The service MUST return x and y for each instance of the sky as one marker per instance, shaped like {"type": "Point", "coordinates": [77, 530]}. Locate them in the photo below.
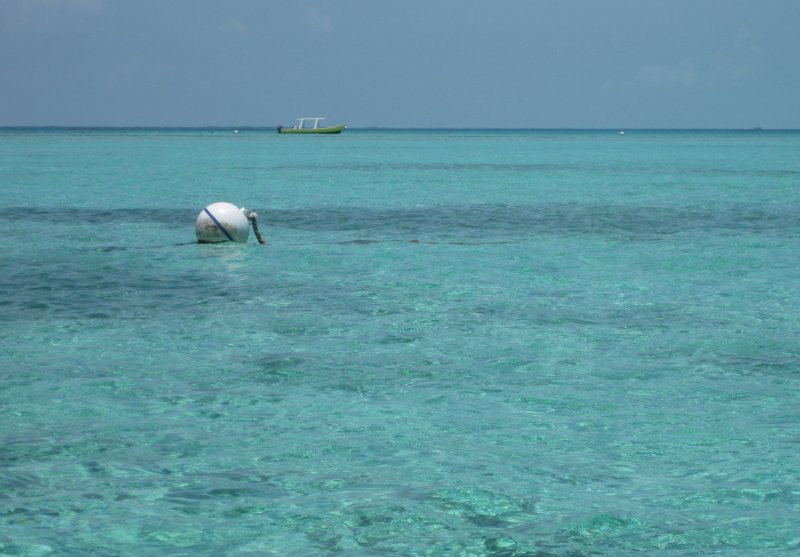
{"type": "Point", "coordinates": [401, 63]}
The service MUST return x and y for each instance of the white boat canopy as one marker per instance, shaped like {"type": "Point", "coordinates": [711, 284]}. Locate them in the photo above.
{"type": "Point", "coordinates": [301, 123]}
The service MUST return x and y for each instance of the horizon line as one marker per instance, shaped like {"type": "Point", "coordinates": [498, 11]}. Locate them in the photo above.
{"type": "Point", "coordinates": [372, 128]}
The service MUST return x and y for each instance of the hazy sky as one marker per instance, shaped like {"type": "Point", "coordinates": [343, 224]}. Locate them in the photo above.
{"type": "Point", "coordinates": [402, 63]}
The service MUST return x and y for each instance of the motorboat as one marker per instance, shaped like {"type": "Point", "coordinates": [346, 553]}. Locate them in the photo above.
{"type": "Point", "coordinates": [311, 125]}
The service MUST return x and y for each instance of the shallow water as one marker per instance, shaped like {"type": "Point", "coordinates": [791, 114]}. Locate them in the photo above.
{"type": "Point", "coordinates": [461, 343]}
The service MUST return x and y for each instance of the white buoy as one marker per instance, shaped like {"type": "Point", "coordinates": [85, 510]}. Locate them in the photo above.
{"type": "Point", "coordinates": [222, 222]}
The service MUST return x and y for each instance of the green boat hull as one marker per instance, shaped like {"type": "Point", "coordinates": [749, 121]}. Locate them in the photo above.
{"type": "Point", "coordinates": [327, 130]}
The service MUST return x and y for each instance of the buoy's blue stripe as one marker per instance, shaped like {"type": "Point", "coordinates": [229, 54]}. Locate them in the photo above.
{"type": "Point", "coordinates": [218, 224]}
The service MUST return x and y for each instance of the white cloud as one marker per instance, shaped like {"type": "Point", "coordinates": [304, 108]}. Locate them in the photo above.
{"type": "Point", "coordinates": [132, 68]}
{"type": "Point", "coordinates": [319, 20]}
{"type": "Point", "coordinates": [84, 6]}
{"type": "Point", "coordinates": [738, 61]}
{"type": "Point", "coordinates": [87, 6]}
{"type": "Point", "coordinates": [235, 26]}
{"type": "Point", "coordinates": [36, 15]}
{"type": "Point", "coordinates": [683, 74]}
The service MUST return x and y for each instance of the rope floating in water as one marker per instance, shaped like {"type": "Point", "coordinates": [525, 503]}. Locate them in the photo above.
{"type": "Point", "coordinates": [251, 216]}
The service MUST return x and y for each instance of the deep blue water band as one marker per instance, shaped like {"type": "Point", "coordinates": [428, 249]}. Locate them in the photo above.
{"type": "Point", "coordinates": [218, 224]}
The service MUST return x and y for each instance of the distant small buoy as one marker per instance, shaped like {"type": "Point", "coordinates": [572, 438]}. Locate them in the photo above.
{"type": "Point", "coordinates": [222, 222]}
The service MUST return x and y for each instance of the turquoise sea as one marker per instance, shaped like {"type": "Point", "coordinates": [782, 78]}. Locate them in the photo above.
{"type": "Point", "coordinates": [456, 343]}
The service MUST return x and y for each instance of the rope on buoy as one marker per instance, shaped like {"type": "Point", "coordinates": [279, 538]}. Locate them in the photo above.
{"type": "Point", "coordinates": [251, 216]}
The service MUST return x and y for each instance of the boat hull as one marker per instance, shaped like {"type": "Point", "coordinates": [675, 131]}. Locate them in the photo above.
{"type": "Point", "coordinates": [325, 130]}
